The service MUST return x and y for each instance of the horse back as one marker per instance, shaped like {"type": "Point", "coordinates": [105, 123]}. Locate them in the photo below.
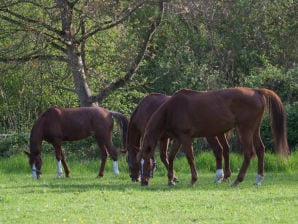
{"type": "Point", "coordinates": [144, 110]}
{"type": "Point", "coordinates": [213, 112]}
{"type": "Point", "coordinates": [68, 124]}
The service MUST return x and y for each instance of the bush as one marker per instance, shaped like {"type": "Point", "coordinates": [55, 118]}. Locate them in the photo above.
{"type": "Point", "coordinates": [12, 144]}
{"type": "Point", "coordinates": [292, 121]}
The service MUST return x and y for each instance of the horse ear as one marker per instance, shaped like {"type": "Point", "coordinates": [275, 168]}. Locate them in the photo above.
{"type": "Point", "coordinates": [27, 152]}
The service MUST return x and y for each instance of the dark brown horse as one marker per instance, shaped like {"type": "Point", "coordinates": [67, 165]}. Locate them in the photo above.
{"type": "Point", "coordinates": [136, 129]}
{"type": "Point", "coordinates": [56, 125]}
{"type": "Point", "coordinates": [190, 114]}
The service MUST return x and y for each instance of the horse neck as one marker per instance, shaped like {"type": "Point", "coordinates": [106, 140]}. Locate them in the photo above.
{"type": "Point", "coordinates": [35, 146]}
{"type": "Point", "coordinates": [133, 139]}
{"type": "Point", "coordinates": [156, 125]}
{"type": "Point", "coordinates": [35, 140]}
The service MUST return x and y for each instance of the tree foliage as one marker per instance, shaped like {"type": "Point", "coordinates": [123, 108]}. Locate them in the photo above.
{"type": "Point", "coordinates": [81, 52]}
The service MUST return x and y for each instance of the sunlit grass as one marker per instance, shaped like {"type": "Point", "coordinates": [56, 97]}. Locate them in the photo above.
{"type": "Point", "coordinates": [83, 198]}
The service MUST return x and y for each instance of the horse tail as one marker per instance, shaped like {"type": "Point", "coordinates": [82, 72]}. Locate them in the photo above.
{"type": "Point", "coordinates": [123, 122]}
{"type": "Point", "coordinates": [278, 121]}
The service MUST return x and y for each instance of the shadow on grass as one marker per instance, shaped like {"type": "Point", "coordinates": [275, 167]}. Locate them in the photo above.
{"type": "Point", "coordinates": [123, 184]}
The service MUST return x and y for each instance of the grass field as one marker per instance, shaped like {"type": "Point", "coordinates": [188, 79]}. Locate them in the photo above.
{"type": "Point", "coordinates": [83, 198]}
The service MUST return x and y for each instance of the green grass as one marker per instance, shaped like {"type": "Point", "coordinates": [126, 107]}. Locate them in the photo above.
{"type": "Point", "coordinates": [83, 198]}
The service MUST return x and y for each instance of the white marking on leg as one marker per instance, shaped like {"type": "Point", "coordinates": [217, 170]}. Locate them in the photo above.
{"type": "Point", "coordinates": [219, 176]}
{"type": "Point", "coordinates": [259, 179]}
{"type": "Point", "coordinates": [34, 174]}
{"type": "Point", "coordinates": [115, 167]}
{"type": "Point", "coordinates": [59, 169]}
{"type": "Point", "coordinates": [142, 167]}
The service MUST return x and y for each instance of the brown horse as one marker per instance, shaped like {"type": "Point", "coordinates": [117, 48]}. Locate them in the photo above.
{"type": "Point", "coordinates": [70, 124]}
{"type": "Point", "coordinates": [190, 114]}
{"type": "Point", "coordinates": [136, 130]}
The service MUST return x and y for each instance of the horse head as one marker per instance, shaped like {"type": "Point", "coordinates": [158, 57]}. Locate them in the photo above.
{"type": "Point", "coordinates": [145, 157]}
{"type": "Point", "coordinates": [35, 163]}
{"type": "Point", "coordinates": [147, 170]}
{"type": "Point", "coordinates": [133, 163]}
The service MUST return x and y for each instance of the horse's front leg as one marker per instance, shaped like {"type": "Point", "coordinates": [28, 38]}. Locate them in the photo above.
{"type": "Point", "coordinates": [60, 159]}
{"type": "Point", "coordinates": [163, 145]}
{"type": "Point", "coordinates": [188, 150]}
{"type": "Point", "coordinates": [172, 179]}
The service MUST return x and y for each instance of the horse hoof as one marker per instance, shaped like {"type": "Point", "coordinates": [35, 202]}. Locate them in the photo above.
{"type": "Point", "coordinates": [218, 179]}
{"type": "Point", "coordinates": [138, 179]}
{"type": "Point", "coordinates": [172, 183]}
{"type": "Point", "coordinates": [259, 180]}
{"type": "Point", "coordinates": [176, 180]}
{"type": "Point", "coordinates": [235, 184]}
{"type": "Point", "coordinates": [144, 183]}
{"type": "Point", "coordinates": [193, 183]}
{"type": "Point", "coordinates": [226, 180]}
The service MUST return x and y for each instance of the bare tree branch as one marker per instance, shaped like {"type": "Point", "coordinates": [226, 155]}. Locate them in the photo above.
{"type": "Point", "coordinates": [109, 24]}
{"type": "Point", "coordinates": [33, 57]}
{"type": "Point", "coordinates": [33, 22]}
{"type": "Point", "coordinates": [135, 66]}
{"type": "Point", "coordinates": [50, 37]}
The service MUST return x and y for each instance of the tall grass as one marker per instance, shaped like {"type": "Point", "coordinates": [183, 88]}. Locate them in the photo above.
{"type": "Point", "coordinates": [205, 162]}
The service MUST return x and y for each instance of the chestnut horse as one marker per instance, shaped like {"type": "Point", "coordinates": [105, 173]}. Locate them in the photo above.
{"type": "Point", "coordinates": [136, 128]}
{"type": "Point", "coordinates": [56, 125]}
{"type": "Point", "coordinates": [188, 114]}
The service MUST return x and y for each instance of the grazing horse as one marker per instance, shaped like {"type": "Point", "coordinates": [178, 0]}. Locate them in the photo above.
{"type": "Point", "coordinates": [56, 125]}
{"type": "Point", "coordinates": [188, 114]}
{"type": "Point", "coordinates": [136, 129]}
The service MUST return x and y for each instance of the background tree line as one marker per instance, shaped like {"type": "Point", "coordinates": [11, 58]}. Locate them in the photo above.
{"type": "Point", "coordinates": [112, 53]}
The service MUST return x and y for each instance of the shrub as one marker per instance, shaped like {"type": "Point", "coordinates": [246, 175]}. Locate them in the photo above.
{"type": "Point", "coordinates": [292, 133]}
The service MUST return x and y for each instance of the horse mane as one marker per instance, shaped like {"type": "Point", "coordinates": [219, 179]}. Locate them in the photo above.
{"type": "Point", "coordinates": [156, 124]}
{"type": "Point", "coordinates": [149, 99]}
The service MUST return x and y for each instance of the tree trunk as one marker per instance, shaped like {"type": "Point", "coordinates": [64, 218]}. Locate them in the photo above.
{"type": "Point", "coordinates": [78, 72]}
{"type": "Point", "coordinates": [75, 60]}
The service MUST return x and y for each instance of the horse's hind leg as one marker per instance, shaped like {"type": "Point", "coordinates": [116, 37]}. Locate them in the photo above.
{"type": "Point", "coordinates": [104, 155]}
{"type": "Point", "coordinates": [107, 149]}
{"type": "Point", "coordinates": [226, 154]}
{"type": "Point", "coordinates": [60, 158]}
{"type": "Point", "coordinates": [246, 140]}
{"type": "Point", "coordinates": [260, 151]}
{"type": "Point", "coordinates": [217, 151]}
{"type": "Point", "coordinates": [113, 154]}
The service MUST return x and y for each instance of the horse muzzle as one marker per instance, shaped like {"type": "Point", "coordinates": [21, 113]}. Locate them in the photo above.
{"type": "Point", "coordinates": [144, 183]}
{"type": "Point", "coordinates": [135, 179]}
{"type": "Point", "coordinates": [145, 180]}
{"type": "Point", "coordinates": [35, 172]}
